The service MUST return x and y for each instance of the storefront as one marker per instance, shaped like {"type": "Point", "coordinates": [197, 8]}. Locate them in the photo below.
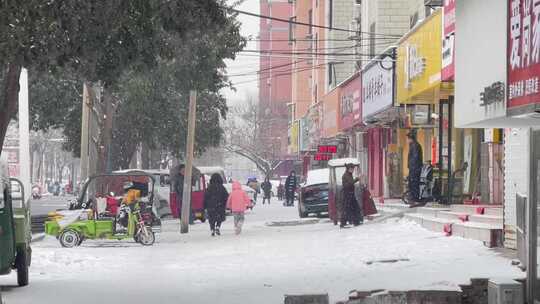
{"type": "Point", "coordinates": [428, 103]}
{"type": "Point", "coordinates": [381, 119]}
{"type": "Point", "coordinates": [350, 120]}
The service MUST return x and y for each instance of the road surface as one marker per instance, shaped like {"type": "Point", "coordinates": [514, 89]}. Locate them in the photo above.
{"type": "Point", "coordinates": [49, 203]}
{"type": "Point", "coordinates": [258, 266]}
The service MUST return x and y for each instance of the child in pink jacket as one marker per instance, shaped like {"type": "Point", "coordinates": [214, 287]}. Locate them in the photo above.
{"type": "Point", "coordinates": [238, 202]}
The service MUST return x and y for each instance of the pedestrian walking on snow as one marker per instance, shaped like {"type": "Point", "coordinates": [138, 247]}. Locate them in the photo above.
{"type": "Point", "coordinates": [238, 202]}
{"type": "Point", "coordinates": [267, 190]}
{"type": "Point", "coordinates": [254, 184]}
{"type": "Point", "coordinates": [215, 201]}
{"type": "Point", "coordinates": [290, 189]}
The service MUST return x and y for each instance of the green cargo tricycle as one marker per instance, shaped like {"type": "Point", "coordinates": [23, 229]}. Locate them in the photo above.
{"type": "Point", "coordinates": [115, 221]}
{"type": "Point", "coordinates": [15, 231]}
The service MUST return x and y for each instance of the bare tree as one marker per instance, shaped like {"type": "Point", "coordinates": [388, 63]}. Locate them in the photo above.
{"type": "Point", "coordinates": [243, 130]}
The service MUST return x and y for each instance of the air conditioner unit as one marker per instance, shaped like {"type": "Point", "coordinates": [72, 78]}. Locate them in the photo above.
{"type": "Point", "coordinates": [505, 291]}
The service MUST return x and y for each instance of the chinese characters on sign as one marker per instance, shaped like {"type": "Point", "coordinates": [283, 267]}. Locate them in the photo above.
{"type": "Point", "coordinates": [350, 103]}
{"type": "Point", "coordinates": [346, 104]}
{"type": "Point", "coordinates": [332, 149]}
{"type": "Point", "coordinates": [523, 53]}
{"type": "Point", "coordinates": [449, 28]}
{"type": "Point", "coordinates": [492, 94]}
{"type": "Point", "coordinates": [322, 157]}
{"type": "Point", "coordinates": [415, 65]}
{"type": "Point", "coordinates": [378, 87]}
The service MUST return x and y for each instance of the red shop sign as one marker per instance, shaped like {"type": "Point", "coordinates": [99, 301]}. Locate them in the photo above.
{"type": "Point", "coordinates": [523, 56]}
{"type": "Point", "coordinates": [322, 157]}
{"type": "Point", "coordinates": [448, 51]}
{"type": "Point", "coordinates": [332, 149]}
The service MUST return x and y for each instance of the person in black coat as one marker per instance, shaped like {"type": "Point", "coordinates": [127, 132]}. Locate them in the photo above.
{"type": "Point", "coordinates": [215, 202]}
{"type": "Point", "coordinates": [351, 212]}
{"type": "Point", "coordinates": [267, 190]}
{"type": "Point", "coordinates": [290, 188]}
{"type": "Point", "coordinates": [415, 163]}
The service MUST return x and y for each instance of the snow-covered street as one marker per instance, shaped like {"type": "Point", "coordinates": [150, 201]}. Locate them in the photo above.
{"type": "Point", "coordinates": [259, 266]}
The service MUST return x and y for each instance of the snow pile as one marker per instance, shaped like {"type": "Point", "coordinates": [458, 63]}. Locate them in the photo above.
{"type": "Point", "coordinates": [259, 266]}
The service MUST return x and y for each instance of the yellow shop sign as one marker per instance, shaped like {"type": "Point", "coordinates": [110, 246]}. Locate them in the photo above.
{"type": "Point", "coordinates": [293, 136]}
{"type": "Point", "coordinates": [419, 62]}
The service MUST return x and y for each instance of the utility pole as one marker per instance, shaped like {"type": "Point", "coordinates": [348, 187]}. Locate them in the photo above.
{"type": "Point", "coordinates": [532, 218]}
{"type": "Point", "coordinates": [85, 129]}
{"type": "Point", "coordinates": [186, 195]}
{"type": "Point", "coordinates": [24, 132]}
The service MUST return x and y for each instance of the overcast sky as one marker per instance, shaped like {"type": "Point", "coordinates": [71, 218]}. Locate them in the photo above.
{"type": "Point", "coordinates": [245, 64]}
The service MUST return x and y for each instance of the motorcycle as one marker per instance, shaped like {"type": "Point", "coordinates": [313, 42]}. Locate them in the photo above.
{"type": "Point", "coordinates": [90, 221]}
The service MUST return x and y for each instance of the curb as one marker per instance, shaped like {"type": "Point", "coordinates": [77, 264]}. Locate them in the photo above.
{"type": "Point", "coordinates": [293, 223]}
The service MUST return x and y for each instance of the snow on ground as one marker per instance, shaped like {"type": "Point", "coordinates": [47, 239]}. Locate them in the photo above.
{"type": "Point", "coordinates": [259, 266]}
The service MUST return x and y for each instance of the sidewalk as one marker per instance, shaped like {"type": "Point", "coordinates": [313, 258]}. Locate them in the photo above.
{"type": "Point", "coordinates": [259, 266]}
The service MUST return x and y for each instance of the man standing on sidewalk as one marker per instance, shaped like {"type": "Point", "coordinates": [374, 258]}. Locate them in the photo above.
{"type": "Point", "coordinates": [415, 162]}
{"type": "Point", "coordinates": [290, 189]}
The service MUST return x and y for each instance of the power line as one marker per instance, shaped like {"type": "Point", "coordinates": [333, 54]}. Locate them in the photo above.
{"type": "Point", "coordinates": [283, 74]}
{"type": "Point", "coordinates": [306, 53]}
{"type": "Point", "coordinates": [313, 39]}
{"type": "Point", "coordinates": [310, 57]}
{"type": "Point", "coordinates": [267, 69]}
{"type": "Point", "coordinates": [305, 24]}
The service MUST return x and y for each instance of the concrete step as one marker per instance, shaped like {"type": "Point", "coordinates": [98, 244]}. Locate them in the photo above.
{"type": "Point", "coordinates": [393, 207]}
{"type": "Point", "coordinates": [490, 234]}
{"type": "Point", "coordinates": [487, 219]}
{"type": "Point", "coordinates": [430, 223]}
{"type": "Point", "coordinates": [496, 210]}
{"type": "Point", "coordinates": [478, 218]}
{"type": "Point", "coordinates": [431, 211]}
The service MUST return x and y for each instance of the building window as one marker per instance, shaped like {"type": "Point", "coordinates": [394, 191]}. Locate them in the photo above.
{"type": "Point", "coordinates": [372, 39]}
{"type": "Point", "coordinates": [316, 42]}
{"type": "Point", "coordinates": [331, 74]}
{"type": "Point", "coordinates": [331, 13]}
{"type": "Point", "coordinates": [310, 21]}
{"type": "Point", "coordinates": [292, 110]}
{"type": "Point", "coordinates": [359, 2]}
{"type": "Point", "coordinates": [292, 29]}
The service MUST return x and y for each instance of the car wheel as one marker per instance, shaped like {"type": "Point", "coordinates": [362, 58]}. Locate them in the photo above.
{"type": "Point", "coordinates": [69, 238]}
{"type": "Point", "coordinates": [22, 264]}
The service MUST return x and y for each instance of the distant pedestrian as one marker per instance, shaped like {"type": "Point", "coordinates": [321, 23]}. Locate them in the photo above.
{"type": "Point", "coordinates": [350, 208]}
{"type": "Point", "coordinates": [215, 201]}
{"type": "Point", "coordinates": [280, 191]}
{"type": "Point", "coordinates": [267, 190]}
{"type": "Point", "coordinates": [253, 183]}
{"type": "Point", "coordinates": [238, 202]}
{"type": "Point", "coordinates": [290, 188]}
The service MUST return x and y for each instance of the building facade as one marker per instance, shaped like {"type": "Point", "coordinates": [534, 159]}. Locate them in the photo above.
{"type": "Point", "coordinates": [275, 78]}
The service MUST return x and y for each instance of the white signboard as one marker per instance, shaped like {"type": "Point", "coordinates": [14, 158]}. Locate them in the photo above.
{"type": "Point", "coordinates": [377, 87]}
